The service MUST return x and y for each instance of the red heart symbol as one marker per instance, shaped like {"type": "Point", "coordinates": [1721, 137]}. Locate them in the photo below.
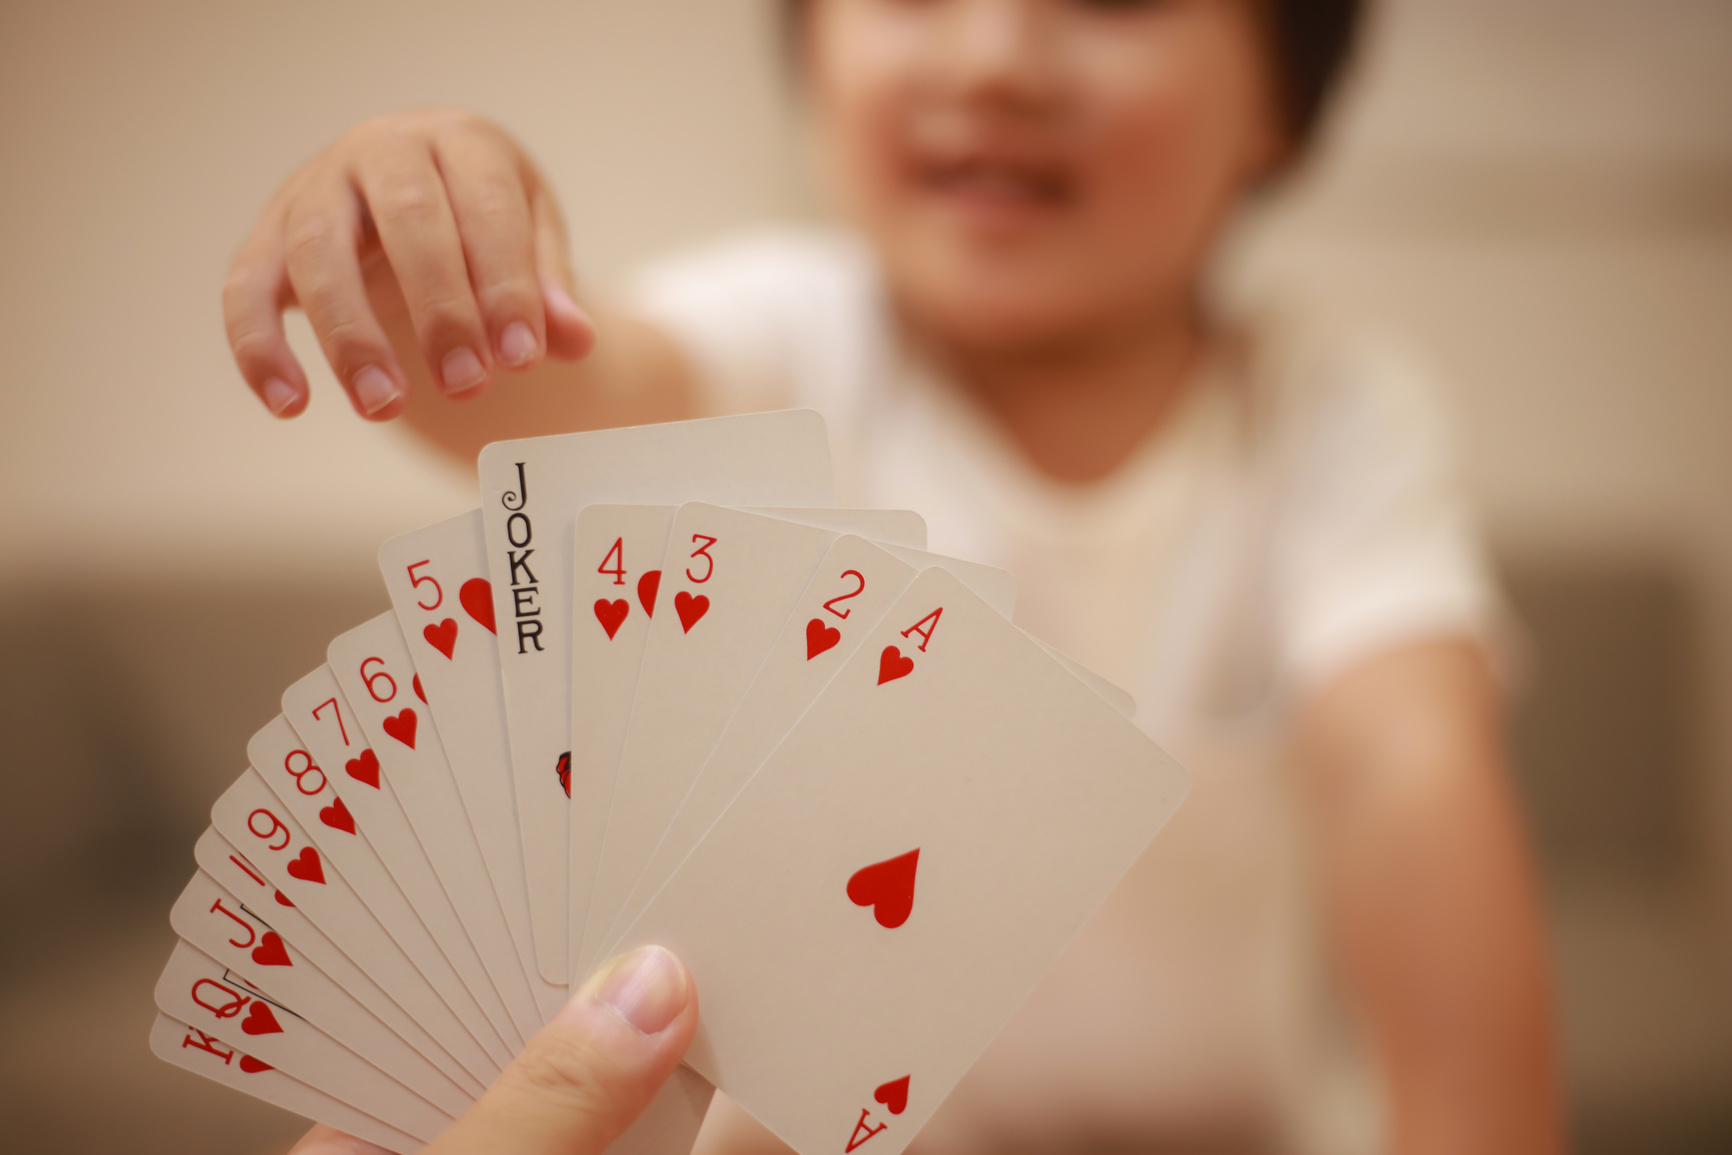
{"type": "Point", "coordinates": [415, 684]}
{"type": "Point", "coordinates": [562, 769]}
{"type": "Point", "coordinates": [893, 1095]}
{"type": "Point", "coordinates": [364, 768]}
{"type": "Point", "coordinates": [306, 867]}
{"type": "Point", "coordinates": [611, 614]}
{"type": "Point", "coordinates": [887, 887]}
{"type": "Point", "coordinates": [337, 817]}
{"type": "Point", "coordinates": [690, 609]}
{"type": "Point", "coordinates": [892, 665]}
{"type": "Point", "coordinates": [252, 1066]}
{"type": "Point", "coordinates": [647, 585]}
{"type": "Point", "coordinates": [477, 597]}
{"type": "Point", "coordinates": [283, 899]}
{"type": "Point", "coordinates": [271, 952]}
{"type": "Point", "coordinates": [401, 726]}
{"type": "Point", "coordinates": [260, 1021]}
{"type": "Point", "coordinates": [442, 637]}
{"type": "Point", "coordinates": [820, 637]}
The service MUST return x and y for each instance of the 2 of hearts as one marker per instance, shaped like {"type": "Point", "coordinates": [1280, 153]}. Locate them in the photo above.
{"type": "Point", "coordinates": [863, 807]}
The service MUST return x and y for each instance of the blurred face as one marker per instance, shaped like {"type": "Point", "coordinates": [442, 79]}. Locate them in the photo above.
{"type": "Point", "coordinates": [1037, 171]}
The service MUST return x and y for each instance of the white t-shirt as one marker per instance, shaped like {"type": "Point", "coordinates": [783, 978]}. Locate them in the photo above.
{"type": "Point", "coordinates": [1299, 512]}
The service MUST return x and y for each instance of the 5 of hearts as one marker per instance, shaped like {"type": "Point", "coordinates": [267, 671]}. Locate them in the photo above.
{"type": "Point", "coordinates": [659, 688]}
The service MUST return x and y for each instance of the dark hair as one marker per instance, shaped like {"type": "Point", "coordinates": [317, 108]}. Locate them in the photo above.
{"type": "Point", "coordinates": [1309, 42]}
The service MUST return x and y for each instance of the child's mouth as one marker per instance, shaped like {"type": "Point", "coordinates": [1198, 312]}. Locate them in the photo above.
{"type": "Point", "coordinates": [994, 186]}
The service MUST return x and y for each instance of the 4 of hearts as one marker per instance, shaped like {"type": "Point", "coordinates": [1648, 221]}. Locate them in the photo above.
{"type": "Point", "coordinates": [659, 689]}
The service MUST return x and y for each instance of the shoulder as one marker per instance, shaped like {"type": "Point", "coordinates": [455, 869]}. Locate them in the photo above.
{"type": "Point", "coordinates": [1315, 378]}
{"type": "Point", "coordinates": [1374, 541]}
{"type": "Point", "coordinates": [771, 317]}
{"type": "Point", "coordinates": [1328, 388]}
{"type": "Point", "coordinates": [786, 265]}
{"type": "Point", "coordinates": [1336, 410]}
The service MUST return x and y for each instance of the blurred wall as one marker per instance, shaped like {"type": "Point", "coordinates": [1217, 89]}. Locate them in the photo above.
{"type": "Point", "coordinates": [1537, 192]}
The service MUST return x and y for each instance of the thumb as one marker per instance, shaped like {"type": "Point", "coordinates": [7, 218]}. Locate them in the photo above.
{"type": "Point", "coordinates": [590, 1071]}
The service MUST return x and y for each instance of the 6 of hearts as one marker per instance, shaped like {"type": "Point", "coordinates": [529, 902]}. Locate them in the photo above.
{"type": "Point", "coordinates": [659, 689]}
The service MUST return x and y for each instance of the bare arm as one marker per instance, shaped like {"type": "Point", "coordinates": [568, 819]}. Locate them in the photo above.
{"type": "Point", "coordinates": [1432, 901]}
{"type": "Point", "coordinates": [429, 256]}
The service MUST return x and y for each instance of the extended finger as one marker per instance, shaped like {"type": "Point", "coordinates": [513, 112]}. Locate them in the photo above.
{"type": "Point", "coordinates": [491, 205]}
{"type": "Point", "coordinates": [405, 194]}
{"type": "Point", "coordinates": [253, 300]}
{"type": "Point", "coordinates": [570, 332]}
{"type": "Point", "coordinates": [321, 238]}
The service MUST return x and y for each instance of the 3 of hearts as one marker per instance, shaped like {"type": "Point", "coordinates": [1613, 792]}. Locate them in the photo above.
{"type": "Point", "coordinates": [659, 689]}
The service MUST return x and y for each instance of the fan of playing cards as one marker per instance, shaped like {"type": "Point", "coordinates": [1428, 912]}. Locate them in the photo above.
{"type": "Point", "coordinates": [657, 689]}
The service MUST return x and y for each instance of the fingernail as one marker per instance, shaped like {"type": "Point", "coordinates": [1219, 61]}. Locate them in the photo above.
{"type": "Point", "coordinates": [279, 395]}
{"type": "Point", "coordinates": [461, 371]}
{"type": "Point", "coordinates": [560, 302]}
{"type": "Point", "coordinates": [374, 389]}
{"type": "Point", "coordinates": [517, 343]}
{"type": "Point", "coordinates": [646, 988]}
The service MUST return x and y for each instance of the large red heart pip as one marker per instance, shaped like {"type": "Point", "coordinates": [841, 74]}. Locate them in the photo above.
{"type": "Point", "coordinates": [252, 1066]}
{"type": "Point", "coordinates": [415, 684]}
{"type": "Point", "coordinates": [690, 609]}
{"type": "Point", "coordinates": [271, 952]}
{"type": "Point", "coordinates": [611, 614]}
{"type": "Point", "coordinates": [476, 595]}
{"type": "Point", "coordinates": [894, 1095]}
{"type": "Point", "coordinates": [337, 817]}
{"type": "Point", "coordinates": [401, 726]}
{"type": "Point", "coordinates": [307, 867]}
{"type": "Point", "coordinates": [364, 768]}
{"type": "Point", "coordinates": [442, 637]}
{"type": "Point", "coordinates": [887, 887]}
{"type": "Point", "coordinates": [647, 585]}
{"type": "Point", "coordinates": [892, 665]}
{"type": "Point", "coordinates": [260, 1021]}
{"type": "Point", "coordinates": [820, 637]}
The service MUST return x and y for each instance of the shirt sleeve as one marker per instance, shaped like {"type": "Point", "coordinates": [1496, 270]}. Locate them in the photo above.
{"type": "Point", "coordinates": [1376, 544]}
{"type": "Point", "coordinates": [770, 319]}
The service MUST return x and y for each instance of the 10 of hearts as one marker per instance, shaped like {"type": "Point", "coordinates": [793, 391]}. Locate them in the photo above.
{"type": "Point", "coordinates": [863, 807]}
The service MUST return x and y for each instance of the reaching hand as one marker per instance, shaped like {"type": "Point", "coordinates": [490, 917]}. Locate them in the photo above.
{"type": "Point", "coordinates": [456, 211]}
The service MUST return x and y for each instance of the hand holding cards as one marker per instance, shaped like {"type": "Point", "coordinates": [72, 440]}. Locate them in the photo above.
{"type": "Point", "coordinates": [657, 691]}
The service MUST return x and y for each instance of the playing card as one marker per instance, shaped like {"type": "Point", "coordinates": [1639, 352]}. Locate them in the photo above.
{"type": "Point", "coordinates": [250, 815]}
{"type": "Point", "coordinates": [1115, 696]}
{"type": "Point", "coordinates": [397, 882]}
{"type": "Point", "coordinates": [531, 492]}
{"type": "Point", "coordinates": [852, 587]}
{"type": "Point", "coordinates": [193, 1050]}
{"type": "Point", "coordinates": [199, 991]}
{"type": "Point", "coordinates": [898, 874]}
{"type": "Point", "coordinates": [729, 580]}
{"type": "Point", "coordinates": [669, 1124]}
{"type": "Point", "coordinates": [224, 927]}
{"type": "Point", "coordinates": [615, 579]}
{"type": "Point", "coordinates": [437, 578]}
{"type": "Point", "coordinates": [615, 582]}
{"type": "Point", "coordinates": [818, 636]}
{"type": "Point", "coordinates": [374, 672]}
{"type": "Point", "coordinates": [229, 868]}
{"type": "Point", "coordinates": [901, 527]}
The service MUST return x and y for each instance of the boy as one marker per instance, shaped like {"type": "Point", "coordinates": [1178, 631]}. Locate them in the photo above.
{"type": "Point", "coordinates": [1251, 524]}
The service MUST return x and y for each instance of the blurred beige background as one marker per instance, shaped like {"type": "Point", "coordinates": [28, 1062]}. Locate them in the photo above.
{"type": "Point", "coordinates": [1537, 192]}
